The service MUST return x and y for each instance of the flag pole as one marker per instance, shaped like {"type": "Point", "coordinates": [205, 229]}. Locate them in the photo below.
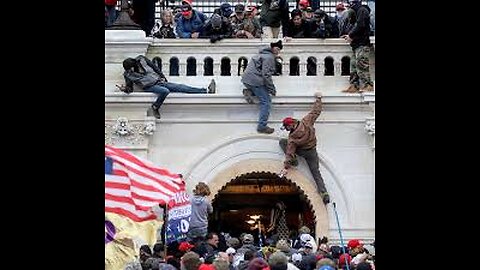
{"type": "Point", "coordinates": [165, 220]}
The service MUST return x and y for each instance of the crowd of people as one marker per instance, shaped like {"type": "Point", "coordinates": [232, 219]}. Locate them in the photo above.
{"type": "Point", "coordinates": [307, 20]}
{"type": "Point", "coordinates": [207, 250]}
{"type": "Point", "coordinates": [222, 251]}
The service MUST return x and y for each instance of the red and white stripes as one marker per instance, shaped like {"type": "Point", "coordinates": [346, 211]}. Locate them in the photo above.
{"type": "Point", "coordinates": [134, 185]}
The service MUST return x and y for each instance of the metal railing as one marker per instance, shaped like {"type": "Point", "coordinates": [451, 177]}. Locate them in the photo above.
{"type": "Point", "coordinates": [207, 6]}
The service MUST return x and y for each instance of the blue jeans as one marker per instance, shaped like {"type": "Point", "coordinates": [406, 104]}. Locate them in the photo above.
{"type": "Point", "coordinates": [265, 103]}
{"type": "Point", "coordinates": [112, 14]}
{"type": "Point", "coordinates": [163, 89]}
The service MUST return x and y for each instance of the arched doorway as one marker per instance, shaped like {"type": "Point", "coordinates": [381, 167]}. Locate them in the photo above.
{"type": "Point", "coordinates": [256, 193]}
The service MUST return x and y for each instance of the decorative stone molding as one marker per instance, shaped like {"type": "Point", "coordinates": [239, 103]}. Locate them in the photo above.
{"type": "Point", "coordinates": [125, 132]}
{"type": "Point", "coordinates": [370, 126]}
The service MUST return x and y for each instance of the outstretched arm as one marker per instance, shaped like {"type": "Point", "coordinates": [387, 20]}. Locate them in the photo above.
{"type": "Point", "coordinates": [312, 116]}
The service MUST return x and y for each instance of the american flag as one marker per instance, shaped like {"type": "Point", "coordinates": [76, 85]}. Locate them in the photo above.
{"type": "Point", "coordinates": [133, 185]}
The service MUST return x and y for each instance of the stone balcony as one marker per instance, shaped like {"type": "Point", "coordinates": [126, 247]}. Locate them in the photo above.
{"type": "Point", "coordinates": [328, 57]}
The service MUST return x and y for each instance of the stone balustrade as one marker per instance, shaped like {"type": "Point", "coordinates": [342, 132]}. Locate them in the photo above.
{"type": "Point", "coordinates": [307, 65]}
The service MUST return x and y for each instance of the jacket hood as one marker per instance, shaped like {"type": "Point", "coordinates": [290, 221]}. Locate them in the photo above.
{"type": "Point", "coordinates": [265, 50]}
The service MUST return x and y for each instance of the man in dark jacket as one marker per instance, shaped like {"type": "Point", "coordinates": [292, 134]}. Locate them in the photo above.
{"type": "Point", "coordinates": [303, 141]}
{"type": "Point", "coordinates": [143, 73]}
{"type": "Point", "coordinates": [258, 78]}
{"type": "Point", "coordinates": [273, 14]}
{"type": "Point", "coordinates": [359, 39]}
{"type": "Point", "coordinates": [324, 26]}
{"type": "Point", "coordinates": [217, 28]}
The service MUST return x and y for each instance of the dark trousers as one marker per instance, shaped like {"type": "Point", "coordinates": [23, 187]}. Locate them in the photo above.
{"type": "Point", "coordinates": [311, 157]}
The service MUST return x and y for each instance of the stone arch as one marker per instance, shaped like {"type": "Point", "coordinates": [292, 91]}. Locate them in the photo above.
{"type": "Point", "coordinates": [216, 194]}
{"type": "Point", "coordinates": [233, 157]}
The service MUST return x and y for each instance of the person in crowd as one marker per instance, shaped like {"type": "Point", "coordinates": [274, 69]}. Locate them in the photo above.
{"type": "Point", "coordinates": [359, 39]}
{"type": "Point", "coordinates": [217, 28]}
{"type": "Point", "coordinates": [307, 14]}
{"type": "Point", "coordinates": [273, 15]}
{"type": "Point", "coordinates": [165, 27]}
{"type": "Point", "coordinates": [201, 208]}
{"type": "Point", "coordinates": [244, 25]}
{"type": "Point", "coordinates": [323, 26]}
{"type": "Point", "coordinates": [192, 22]}
{"type": "Point", "coordinates": [297, 27]}
{"type": "Point", "coordinates": [111, 12]}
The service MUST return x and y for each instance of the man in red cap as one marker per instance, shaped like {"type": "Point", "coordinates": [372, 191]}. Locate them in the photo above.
{"type": "Point", "coordinates": [302, 141]}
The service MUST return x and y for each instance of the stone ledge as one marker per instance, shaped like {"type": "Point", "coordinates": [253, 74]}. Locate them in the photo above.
{"type": "Point", "coordinates": [206, 99]}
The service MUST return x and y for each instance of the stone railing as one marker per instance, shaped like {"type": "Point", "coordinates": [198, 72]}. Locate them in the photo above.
{"type": "Point", "coordinates": [307, 65]}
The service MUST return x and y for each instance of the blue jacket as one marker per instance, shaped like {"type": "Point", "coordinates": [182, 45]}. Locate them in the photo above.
{"type": "Point", "coordinates": [196, 23]}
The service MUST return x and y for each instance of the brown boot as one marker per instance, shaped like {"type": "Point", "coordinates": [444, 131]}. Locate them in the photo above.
{"type": "Point", "coordinates": [266, 130]}
{"type": "Point", "coordinates": [351, 89]}
{"type": "Point", "coordinates": [367, 88]}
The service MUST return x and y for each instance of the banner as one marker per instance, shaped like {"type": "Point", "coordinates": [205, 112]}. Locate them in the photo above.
{"type": "Point", "coordinates": [124, 237]}
{"type": "Point", "coordinates": [178, 221]}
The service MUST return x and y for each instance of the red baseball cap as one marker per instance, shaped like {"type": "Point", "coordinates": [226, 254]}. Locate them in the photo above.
{"type": "Point", "coordinates": [353, 243]}
{"type": "Point", "coordinates": [288, 121]}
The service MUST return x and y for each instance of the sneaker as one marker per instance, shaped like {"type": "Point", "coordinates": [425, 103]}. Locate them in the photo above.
{"type": "Point", "coordinates": [366, 88]}
{"type": "Point", "coordinates": [247, 93]}
{"type": "Point", "coordinates": [266, 130]}
{"type": "Point", "coordinates": [154, 111]}
{"type": "Point", "coordinates": [212, 87]}
{"type": "Point", "coordinates": [325, 198]}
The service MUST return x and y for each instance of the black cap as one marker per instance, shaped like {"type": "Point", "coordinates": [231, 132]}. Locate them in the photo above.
{"type": "Point", "coordinates": [319, 13]}
{"type": "Point", "coordinates": [239, 8]}
{"type": "Point", "coordinates": [277, 44]}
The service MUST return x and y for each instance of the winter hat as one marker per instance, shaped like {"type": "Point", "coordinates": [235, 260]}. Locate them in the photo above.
{"type": "Point", "coordinates": [256, 264]}
{"type": "Point", "coordinates": [216, 21]}
{"type": "Point", "coordinates": [364, 266]}
{"type": "Point", "coordinates": [277, 44]}
{"type": "Point", "coordinates": [230, 250]}
{"type": "Point", "coordinates": [282, 245]}
{"type": "Point", "coordinates": [247, 239]}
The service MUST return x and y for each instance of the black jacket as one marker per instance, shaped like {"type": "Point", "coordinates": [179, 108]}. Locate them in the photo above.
{"type": "Point", "coordinates": [329, 29]}
{"type": "Point", "coordinates": [144, 74]}
{"type": "Point", "coordinates": [360, 33]}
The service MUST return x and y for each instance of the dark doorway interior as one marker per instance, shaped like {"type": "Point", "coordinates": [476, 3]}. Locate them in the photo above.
{"type": "Point", "coordinates": [257, 194]}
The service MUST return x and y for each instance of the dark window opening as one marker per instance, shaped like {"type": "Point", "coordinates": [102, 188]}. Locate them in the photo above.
{"type": "Point", "coordinates": [208, 66]}
{"type": "Point", "coordinates": [311, 66]}
{"type": "Point", "coordinates": [174, 67]}
{"type": "Point", "coordinates": [329, 68]}
{"type": "Point", "coordinates": [191, 66]}
{"type": "Point", "coordinates": [294, 66]}
{"type": "Point", "coordinates": [225, 67]}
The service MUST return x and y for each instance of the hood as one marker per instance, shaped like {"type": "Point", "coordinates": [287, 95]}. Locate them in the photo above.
{"type": "Point", "coordinates": [198, 199]}
{"type": "Point", "coordinates": [265, 50]}
{"type": "Point", "coordinates": [357, 5]}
